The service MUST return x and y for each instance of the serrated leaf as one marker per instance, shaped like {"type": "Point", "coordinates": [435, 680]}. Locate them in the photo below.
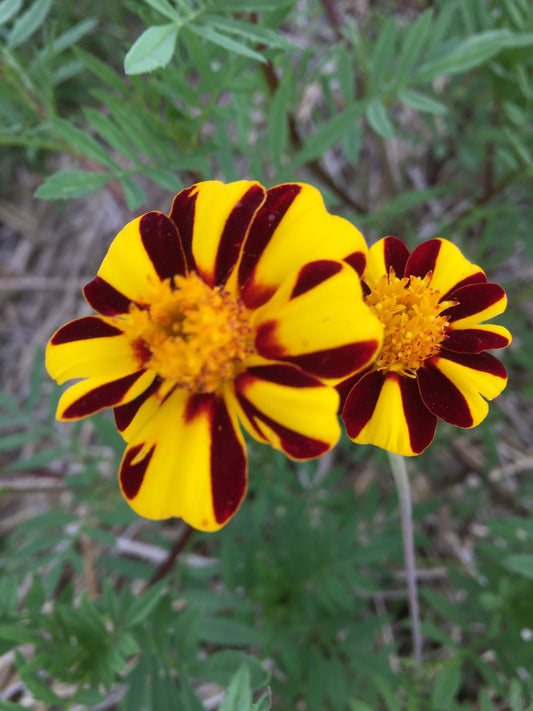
{"type": "Point", "coordinates": [153, 49]}
{"type": "Point", "coordinates": [521, 563]}
{"type": "Point", "coordinates": [378, 120]}
{"type": "Point", "coordinates": [28, 23]}
{"type": "Point", "coordinates": [68, 184]}
{"type": "Point", "coordinates": [421, 102]}
{"type": "Point", "coordinates": [8, 9]}
{"type": "Point", "coordinates": [445, 686]}
{"type": "Point", "coordinates": [210, 34]}
{"type": "Point", "coordinates": [239, 694]}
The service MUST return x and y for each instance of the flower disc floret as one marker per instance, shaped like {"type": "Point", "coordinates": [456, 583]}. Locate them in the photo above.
{"type": "Point", "coordinates": [193, 336]}
{"type": "Point", "coordinates": [411, 313]}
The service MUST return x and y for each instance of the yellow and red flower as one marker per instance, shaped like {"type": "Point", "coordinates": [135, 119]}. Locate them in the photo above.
{"type": "Point", "coordinates": [433, 361]}
{"type": "Point", "coordinates": [242, 307]}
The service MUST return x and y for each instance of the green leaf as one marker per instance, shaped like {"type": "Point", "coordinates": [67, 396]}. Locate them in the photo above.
{"type": "Point", "coordinates": [382, 55]}
{"type": "Point", "coordinates": [20, 634]}
{"type": "Point", "coordinates": [422, 103]}
{"type": "Point", "coordinates": [134, 194]}
{"type": "Point", "coordinates": [263, 703]}
{"type": "Point", "coordinates": [521, 563]}
{"type": "Point", "coordinates": [239, 694]}
{"type": "Point", "coordinates": [164, 178]}
{"type": "Point", "coordinates": [411, 46]}
{"type": "Point", "coordinates": [82, 142]}
{"type": "Point", "coordinates": [220, 667]}
{"type": "Point", "coordinates": [153, 49]}
{"type": "Point", "coordinates": [446, 686]}
{"type": "Point", "coordinates": [35, 685]}
{"type": "Point", "coordinates": [68, 184]}
{"type": "Point", "coordinates": [229, 632]}
{"type": "Point", "coordinates": [111, 133]}
{"type": "Point", "coordinates": [70, 37]}
{"type": "Point", "coordinates": [253, 33]}
{"type": "Point", "coordinates": [11, 706]}
{"type": "Point", "coordinates": [165, 9]}
{"type": "Point", "coordinates": [143, 605]}
{"type": "Point", "coordinates": [8, 8]}
{"type": "Point", "coordinates": [470, 53]}
{"type": "Point", "coordinates": [210, 34]}
{"type": "Point", "coordinates": [251, 5]}
{"type": "Point", "coordinates": [190, 699]}
{"type": "Point", "coordinates": [101, 70]}
{"type": "Point", "coordinates": [329, 134]}
{"type": "Point", "coordinates": [278, 119]}
{"type": "Point", "coordinates": [378, 120]}
{"type": "Point", "coordinates": [28, 23]}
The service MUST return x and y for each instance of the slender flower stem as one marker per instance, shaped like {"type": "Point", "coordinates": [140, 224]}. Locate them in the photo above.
{"type": "Point", "coordinates": [401, 480]}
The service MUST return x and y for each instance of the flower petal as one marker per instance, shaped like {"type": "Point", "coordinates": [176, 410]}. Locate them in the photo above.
{"type": "Point", "coordinates": [289, 409]}
{"type": "Point", "coordinates": [454, 386]}
{"type": "Point", "coordinates": [292, 228]}
{"type": "Point", "coordinates": [447, 264]}
{"type": "Point", "coordinates": [477, 303]}
{"type": "Point", "coordinates": [318, 321]}
{"type": "Point", "coordinates": [389, 252]}
{"type": "Point", "coordinates": [213, 220]}
{"type": "Point", "coordinates": [131, 416]}
{"type": "Point", "coordinates": [476, 340]}
{"type": "Point", "coordinates": [189, 461]}
{"type": "Point", "coordinates": [89, 347]}
{"type": "Point", "coordinates": [94, 394]}
{"type": "Point", "coordinates": [147, 250]}
{"type": "Point", "coordinates": [387, 411]}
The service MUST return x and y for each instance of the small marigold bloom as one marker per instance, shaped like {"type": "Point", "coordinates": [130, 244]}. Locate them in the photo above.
{"type": "Point", "coordinates": [432, 304]}
{"type": "Point", "coordinates": [239, 308]}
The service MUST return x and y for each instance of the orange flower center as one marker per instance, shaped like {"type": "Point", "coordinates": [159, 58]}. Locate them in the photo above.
{"type": "Point", "coordinates": [410, 310]}
{"type": "Point", "coordinates": [193, 336]}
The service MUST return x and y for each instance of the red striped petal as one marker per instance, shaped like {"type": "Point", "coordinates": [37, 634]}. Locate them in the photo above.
{"type": "Point", "coordinates": [107, 395]}
{"type": "Point", "coordinates": [361, 402]}
{"type": "Point", "coordinates": [313, 274]}
{"type": "Point", "coordinates": [104, 298]}
{"type": "Point", "coordinates": [474, 340]}
{"type": "Point", "coordinates": [396, 255]}
{"type": "Point", "coordinates": [182, 215]}
{"type": "Point", "coordinates": [84, 328]}
{"type": "Point", "coordinates": [162, 244]}
{"type": "Point", "coordinates": [423, 259]}
{"type": "Point", "coordinates": [131, 474]}
{"type": "Point", "coordinates": [473, 299]}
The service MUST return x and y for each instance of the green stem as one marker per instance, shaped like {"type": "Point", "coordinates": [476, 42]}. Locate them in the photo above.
{"type": "Point", "coordinates": [401, 480]}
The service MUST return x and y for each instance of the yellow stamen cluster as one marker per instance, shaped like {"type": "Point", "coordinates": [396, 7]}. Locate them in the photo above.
{"type": "Point", "coordinates": [410, 311]}
{"type": "Point", "coordinates": [193, 336]}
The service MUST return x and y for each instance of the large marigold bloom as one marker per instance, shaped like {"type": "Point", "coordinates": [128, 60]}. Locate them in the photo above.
{"type": "Point", "coordinates": [242, 306]}
{"type": "Point", "coordinates": [432, 364]}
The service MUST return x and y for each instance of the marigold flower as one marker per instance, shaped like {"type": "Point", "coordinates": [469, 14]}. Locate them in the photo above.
{"type": "Point", "coordinates": [432, 364]}
{"type": "Point", "coordinates": [242, 306]}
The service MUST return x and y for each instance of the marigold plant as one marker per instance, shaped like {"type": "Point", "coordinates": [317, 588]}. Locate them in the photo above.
{"type": "Point", "coordinates": [243, 307]}
{"type": "Point", "coordinates": [433, 363]}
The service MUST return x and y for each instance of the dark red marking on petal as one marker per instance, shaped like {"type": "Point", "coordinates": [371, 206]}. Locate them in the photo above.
{"type": "Point", "coordinates": [198, 405]}
{"type": "Point", "coordinates": [228, 463]}
{"type": "Point", "coordinates": [473, 299]}
{"type": "Point", "coordinates": [484, 362]}
{"type": "Point", "coordinates": [361, 402]}
{"type": "Point", "coordinates": [294, 444]}
{"type": "Point", "coordinates": [421, 423]}
{"type": "Point", "coordinates": [442, 397]}
{"type": "Point", "coordinates": [278, 201]}
{"type": "Point", "coordinates": [83, 329]}
{"type": "Point", "coordinates": [104, 298]}
{"type": "Point", "coordinates": [357, 260]}
{"type": "Point", "coordinates": [103, 396]}
{"type": "Point", "coordinates": [473, 340]}
{"type": "Point", "coordinates": [124, 414]}
{"type": "Point", "coordinates": [345, 386]}
{"type": "Point", "coordinates": [396, 255]}
{"type": "Point", "coordinates": [182, 215]}
{"type": "Point", "coordinates": [278, 373]}
{"type": "Point", "coordinates": [336, 362]}
{"type": "Point", "coordinates": [423, 259]}
{"type": "Point", "coordinates": [476, 278]}
{"type": "Point", "coordinates": [235, 232]}
{"type": "Point", "coordinates": [313, 274]}
{"type": "Point", "coordinates": [161, 241]}
{"type": "Point", "coordinates": [132, 475]}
